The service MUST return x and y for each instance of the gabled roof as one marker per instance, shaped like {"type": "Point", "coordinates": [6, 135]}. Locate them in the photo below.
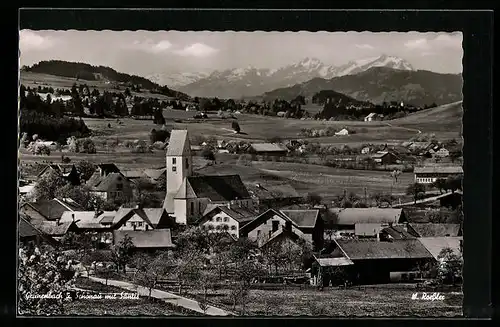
{"type": "Point", "coordinates": [178, 143]}
{"type": "Point", "coordinates": [53, 228]}
{"type": "Point", "coordinates": [302, 218]}
{"type": "Point", "coordinates": [435, 230]}
{"type": "Point", "coordinates": [158, 238]}
{"type": "Point", "coordinates": [27, 230]}
{"type": "Point", "coordinates": [355, 249]}
{"type": "Point", "coordinates": [102, 184]}
{"type": "Point", "coordinates": [435, 244]}
{"type": "Point", "coordinates": [381, 154]}
{"type": "Point", "coordinates": [268, 147]}
{"type": "Point", "coordinates": [397, 232]}
{"type": "Point", "coordinates": [87, 219]}
{"type": "Point", "coordinates": [155, 173]}
{"type": "Point", "coordinates": [215, 188]}
{"type": "Point", "coordinates": [264, 216]}
{"type": "Point", "coordinates": [53, 209]}
{"type": "Point", "coordinates": [63, 169]}
{"type": "Point", "coordinates": [372, 114]}
{"type": "Point", "coordinates": [439, 169]}
{"type": "Point", "coordinates": [240, 214]}
{"type": "Point", "coordinates": [281, 234]}
{"type": "Point", "coordinates": [151, 216]}
{"type": "Point", "coordinates": [352, 216]}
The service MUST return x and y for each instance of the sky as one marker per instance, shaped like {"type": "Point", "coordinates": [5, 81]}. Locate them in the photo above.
{"type": "Point", "coordinates": [146, 52]}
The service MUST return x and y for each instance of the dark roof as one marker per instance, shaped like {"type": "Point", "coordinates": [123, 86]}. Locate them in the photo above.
{"type": "Point", "coordinates": [26, 229]}
{"type": "Point", "coordinates": [109, 168]}
{"type": "Point", "coordinates": [302, 218]}
{"type": "Point", "coordinates": [63, 169]}
{"type": "Point", "coordinates": [372, 249]}
{"type": "Point", "coordinates": [52, 228]}
{"type": "Point", "coordinates": [439, 169]}
{"type": "Point", "coordinates": [351, 216]}
{"type": "Point", "coordinates": [264, 215]}
{"type": "Point", "coordinates": [53, 209]}
{"type": "Point", "coordinates": [435, 230]}
{"type": "Point", "coordinates": [158, 238]}
{"type": "Point", "coordinates": [215, 188]}
{"type": "Point", "coordinates": [397, 232]}
{"type": "Point", "coordinates": [281, 234]}
{"type": "Point", "coordinates": [102, 184]}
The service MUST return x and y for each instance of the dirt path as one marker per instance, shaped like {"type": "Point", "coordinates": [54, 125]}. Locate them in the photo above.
{"type": "Point", "coordinates": [165, 296]}
{"type": "Point", "coordinates": [408, 129]}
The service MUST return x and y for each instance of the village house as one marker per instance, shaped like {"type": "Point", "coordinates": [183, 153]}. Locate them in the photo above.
{"type": "Point", "coordinates": [48, 210]}
{"type": "Point", "coordinates": [372, 116]}
{"type": "Point", "coordinates": [31, 236]}
{"type": "Point", "coordinates": [442, 153]}
{"type": "Point", "coordinates": [366, 149]}
{"type": "Point", "coordinates": [436, 244]}
{"type": "Point", "coordinates": [187, 196]}
{"type": "Point", "coordinates": [67, 171]}
{"type": "Point", "coordinates": [268, 149]}
{"type": "Point", "coordinates": [367, 221]}
{"type": "Point", "coordinates": [384, 158]}
{"type": "Point", "coordinates": [370, 261]}
{"type": "Point", "coordinates": [139, 219]}
{"type": "Point", "coordinates": [267, 195]}
{"type": "Point", "coordinates": [56, 229]}
{"type": "Point", "coordinates": [90, 221]}
{"type": "Point", "coordinates": [112, 186]}
{"type": "Point", "coordinates": [146, 241]}
{"type": "Point", "coordinates": [343, 131]}
{"type": "Point", "coordinates": [305, 223]}
{"type": "Point", "coordinates": [155, 175]}
{"type": "Point", "coordinates": [398, 232]}
{"type": "Point", "coordinates": [226, 218]}
{"type": "Point", "coordinates": [429, 174]}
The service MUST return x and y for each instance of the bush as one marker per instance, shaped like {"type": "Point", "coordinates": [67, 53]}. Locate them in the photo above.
{"type": "Point", "coordinates": [88, 146]}
{"type": "Point", "coordinates": [158, 135]}
{"type": "Point", "coordinates": [158, 145]}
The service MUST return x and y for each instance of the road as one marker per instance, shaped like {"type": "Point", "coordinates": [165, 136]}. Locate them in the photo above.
{"type": "Point", "coordinates": [165, 296]}
{"type": "Point", "coordinates": [430, 199]}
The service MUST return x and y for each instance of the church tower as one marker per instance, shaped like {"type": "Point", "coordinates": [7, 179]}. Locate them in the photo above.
{"type": "Point", "coordinates": [179, 165]}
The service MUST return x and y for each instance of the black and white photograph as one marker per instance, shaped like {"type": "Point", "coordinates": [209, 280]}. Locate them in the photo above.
{"type": "Point", "coordinates": [236, 173]}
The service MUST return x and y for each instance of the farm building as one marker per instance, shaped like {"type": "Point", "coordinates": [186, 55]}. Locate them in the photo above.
{"type": "Point", "coordinates": [111, 187]}
{"type": "Point", "coordinates": [31, 235]}
{"type": "Point", "coordinates": [376, 261]}
{"type": "Point", "coordinates": [348, 218]}
{"type": "Point", "coordinates": [429, 174]}
{"type": "Point", "coordinates": [436, 244]}
{"type": "Point", "coordinates": [396, 233]}
{"type": "Point", "coordinates": [106, 169]}
{"type": "Point", "coordinates": [56, 229]}
{"type": "Point", "coordinates": [48, 210]}
{"type": "Point", "coordinates": [222, 218]}
{"type": "Point", "coordinates": [137, 219]}
{"type": "Point", "coordinates": [343, 131]}
{"type": "Point", "coordinates": [442, 153]}
{"type": "Point", "coordinates": [372, 116]}
{"type": "Point", "coordinates": [384, 158]}
{"type": "Point", "coordinates": [268, 149]}
{"type": "Point", "coordinates": [67, 171]}
{"type": "Point", "coordinates": [147, 241]}
{"type": "Point", "coordinates": [267, 195]}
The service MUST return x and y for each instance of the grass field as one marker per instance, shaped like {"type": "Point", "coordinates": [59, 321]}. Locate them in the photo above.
{"type": "Point", "coordinates": [377, 302]}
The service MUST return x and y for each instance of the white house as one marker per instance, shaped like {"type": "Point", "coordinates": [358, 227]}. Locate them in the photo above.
{"type": "Point", "coordinates": [371, 116]}
{"type": "Point", "coordinates": [228, 218]}
{"type": "Point", "coordinates": [343, 131]}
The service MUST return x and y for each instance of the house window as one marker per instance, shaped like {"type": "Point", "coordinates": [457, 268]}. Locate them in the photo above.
{"type": "Point", "coordinates": [174, 168]}
{"type": "Point", "coordinates": [192, 208]}
{"type": "Point", "coordinates": [187, 163]}
{"type": "Point", "coordinates": [174, 161]}
{"type": "Point", "coordinates": [275, 225]}
{"type": "Point", "coordinates": [139, 223]}
{"type": "Point", "coordinates": [147, 227]}
{"type": "Point", "coordinates": [226, 219]}
{"type": "Point", "coordinates": [119, 186]}
{"type": "Point", "coordinates": [219, 219]}
{"type": "Point", "coordinates": [233, 227]}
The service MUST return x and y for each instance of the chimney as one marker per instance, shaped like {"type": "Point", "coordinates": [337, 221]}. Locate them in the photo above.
{"type": "Point", "coordinates": [229, 205]}
{"type": "Point", "coordinates": [73, 217]}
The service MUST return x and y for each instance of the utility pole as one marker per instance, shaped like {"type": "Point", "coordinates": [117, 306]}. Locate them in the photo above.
{"type": "Point", "coordinates": [366, 198]}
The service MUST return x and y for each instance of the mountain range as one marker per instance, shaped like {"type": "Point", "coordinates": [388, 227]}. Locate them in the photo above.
{"type": "Point", "coordinates": [379, 84]}
{"type": "Point", "coordinates": [251, 81]}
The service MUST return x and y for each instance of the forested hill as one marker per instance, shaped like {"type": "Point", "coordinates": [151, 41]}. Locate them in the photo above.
{"type": "Point", "coordinates": [88, 72]}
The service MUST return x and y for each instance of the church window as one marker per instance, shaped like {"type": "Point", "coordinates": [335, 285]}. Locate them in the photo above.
{"type": "Point", "coordinates": [174, 168]}
{"type": "Point", "coordinates": [174, 161]}
{"type": "Point", "coordinates": [187, 163]}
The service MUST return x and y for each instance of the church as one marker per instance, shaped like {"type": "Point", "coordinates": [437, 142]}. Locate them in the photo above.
{"type": "Point", "coordinates": [187, 195]}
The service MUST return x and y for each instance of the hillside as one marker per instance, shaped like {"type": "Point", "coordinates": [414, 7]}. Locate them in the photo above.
{"type": "Point", "coordinates": [379, 84]}
{"type": "Point", "coordinates": [83, 71]}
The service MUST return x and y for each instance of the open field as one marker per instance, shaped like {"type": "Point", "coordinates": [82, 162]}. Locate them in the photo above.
{"type": "Point", "coordinates": [34, 80]}
{"type": "Point", "coordinates": [376, 302]}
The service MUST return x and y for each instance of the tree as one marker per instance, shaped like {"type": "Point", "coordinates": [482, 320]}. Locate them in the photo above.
{"type": "Point", "coordinates": [151, 268]}
{"type": "Point", "coordinates": [395, 174]}
{"type": "Point", "coordinates": [81, 194]}
{"type": "Point", "coordinates": [453, 183]}
{"type": "Point", "coordinates": [208, 154]}
{"type": "Point", "coordinates": [88, 146]}
{"type": "Point", "coordinates": [450, 266]}
{"type": "Point", "coordinates": [122, 252]}
{"type": "Point", "coordinates": [313, 199]}
{"type": "Point", "coordinates": [161, 182]}
{"type": "Point", "coordinates": [48, 185]}
{"type": "Point", "coordinates": [236, 127]}
{"type": "Point", "coordinates": [86, 169]}
{"type": "Point", "coordinates": [440, 184]}
{"type": "Point", "coordinates": [42, 271]}
{"type": "Point", "coordinates": [73, 144]}
{"type": "Point", "coordinates": [415, 189]}
{"type": "Point", "coordinates": [82, 245]}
